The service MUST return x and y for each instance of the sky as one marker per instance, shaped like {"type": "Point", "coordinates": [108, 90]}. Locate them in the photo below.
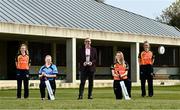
{"type": "Point", "coordinates": [147, 8]}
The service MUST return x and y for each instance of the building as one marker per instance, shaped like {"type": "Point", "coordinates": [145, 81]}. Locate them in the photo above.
{"type": "Point", "coordinates": [58, 27]}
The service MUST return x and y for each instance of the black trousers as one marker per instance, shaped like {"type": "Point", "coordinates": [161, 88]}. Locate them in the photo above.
{"type": "Point", "coordinates": [146, 74]}
{"type": "Point", "coordinates": [22, 75]}
{"type": "Point", "coordinates": [87, 74]}
{"type": "Point", "coordinates": [118, 90]}
{"type": "Point", "coordinates": [42, 87]}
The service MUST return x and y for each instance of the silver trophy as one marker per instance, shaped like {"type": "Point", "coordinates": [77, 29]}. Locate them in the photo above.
{"type": "Point", "coordinates": [88, 60]}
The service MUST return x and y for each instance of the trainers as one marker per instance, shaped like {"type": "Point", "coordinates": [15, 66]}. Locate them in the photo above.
{"type": "Point", "coordinates": [90, 97]}
{"type": "Point", "coordinates": [80, 98]}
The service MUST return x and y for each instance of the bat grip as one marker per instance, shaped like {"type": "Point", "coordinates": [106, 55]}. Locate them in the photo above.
{"type": "Point", "coordinates": [45, 78]}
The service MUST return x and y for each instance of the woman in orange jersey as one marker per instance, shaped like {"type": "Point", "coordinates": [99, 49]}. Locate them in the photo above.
{"type": "Point", "coordinates": [119, 72]}
{"type": "Point", "coordinates": [22, 61]}
{"type": "Point", "coordinates": [146, 60]}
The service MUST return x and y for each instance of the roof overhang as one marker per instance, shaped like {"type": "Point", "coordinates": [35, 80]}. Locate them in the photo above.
{"type": "Point", "coordinates": [41, 30]}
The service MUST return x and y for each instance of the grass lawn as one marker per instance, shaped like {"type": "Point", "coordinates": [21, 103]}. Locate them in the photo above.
{"type": "Point", "coordinates": [164, 98]}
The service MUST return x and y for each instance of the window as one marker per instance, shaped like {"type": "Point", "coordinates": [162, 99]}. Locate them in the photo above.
{"type": "Point", "coordinates": [61, 55]}
{"type": "Point", "coordinates": [126, 52]}
{"type": "Point", "coordinates": [104, 56]}
{"type": "Point", "coordinates": [38, 51]}
{"type": "Point", "coordinates": [169, 58]}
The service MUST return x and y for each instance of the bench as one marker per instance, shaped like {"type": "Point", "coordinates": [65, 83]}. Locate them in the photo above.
{"type": "Point", "coordinates": [36, 77]}
{"type": "Point", "coordinates": [100, 76]}
{"type": "Point", "coordinates": [166, 76]}
{"type": "Point", "coordinates": [161, 76]}
{"type": "Point", "coordinates": [174, 76]}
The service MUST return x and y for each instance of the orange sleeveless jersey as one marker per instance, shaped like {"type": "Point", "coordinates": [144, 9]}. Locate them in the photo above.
{"type": "Point", "coordinates": [23, 62]}
{"type": "Point", "coordinates": [119, 69]}
{"type": "Point", "coordinates": [146, 58]}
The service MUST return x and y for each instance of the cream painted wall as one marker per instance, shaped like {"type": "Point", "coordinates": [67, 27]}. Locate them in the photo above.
{"type": "Point", "coordinates": [35, 30]}
{"type": "Point", "coordinates": [83, 33]}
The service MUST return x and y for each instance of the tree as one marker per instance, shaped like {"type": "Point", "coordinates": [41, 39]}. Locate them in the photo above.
{"type": "Point", "coordinates": [171, 15]}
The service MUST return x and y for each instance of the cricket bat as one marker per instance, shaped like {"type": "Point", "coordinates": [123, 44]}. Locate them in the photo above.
{"type": "Point", "coordinates": [124, 91]}
{"type": "Point", "coordinates": [49, 89]}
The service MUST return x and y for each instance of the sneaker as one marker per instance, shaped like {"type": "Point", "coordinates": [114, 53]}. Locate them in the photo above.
{"type": "Point", "coordinates": [150, 95]}
{"type": "Point", "coordinates": [25, 97]}
{"type": "Point", "coordinates": [90, 97]}
{"type": "Point", "coordinates": [143, 95]}
{"type": "Point", "coordinates": [80, 98]}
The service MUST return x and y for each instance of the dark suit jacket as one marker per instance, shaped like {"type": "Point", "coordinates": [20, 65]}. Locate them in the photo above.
{"type": "Point", "coordinates": [82, 59]}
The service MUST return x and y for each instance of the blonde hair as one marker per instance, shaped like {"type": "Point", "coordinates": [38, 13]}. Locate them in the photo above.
{"type": "Point", "coordinates": [49, 57]}
{"type": "Point", "coordinates": [19, 51]}
{"type": "Point", "coordinates": [121, 61]}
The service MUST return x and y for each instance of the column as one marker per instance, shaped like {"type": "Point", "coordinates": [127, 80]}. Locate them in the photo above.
{"type": "Point", "coordinates": [174, 56]}
{"type": "Point", "coordinates": [71, 60]}
{"type": "Point", "coordinates": [114, 50]}
{"type": "Point", "coordinates": [134, 62]}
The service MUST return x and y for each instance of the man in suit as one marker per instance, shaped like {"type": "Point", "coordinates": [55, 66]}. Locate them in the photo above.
{"type": "Point", "coordinates": [87, 65]}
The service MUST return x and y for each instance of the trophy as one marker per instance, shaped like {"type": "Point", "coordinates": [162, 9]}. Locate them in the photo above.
{"type": "Point", "coordinates": [88, 62]}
